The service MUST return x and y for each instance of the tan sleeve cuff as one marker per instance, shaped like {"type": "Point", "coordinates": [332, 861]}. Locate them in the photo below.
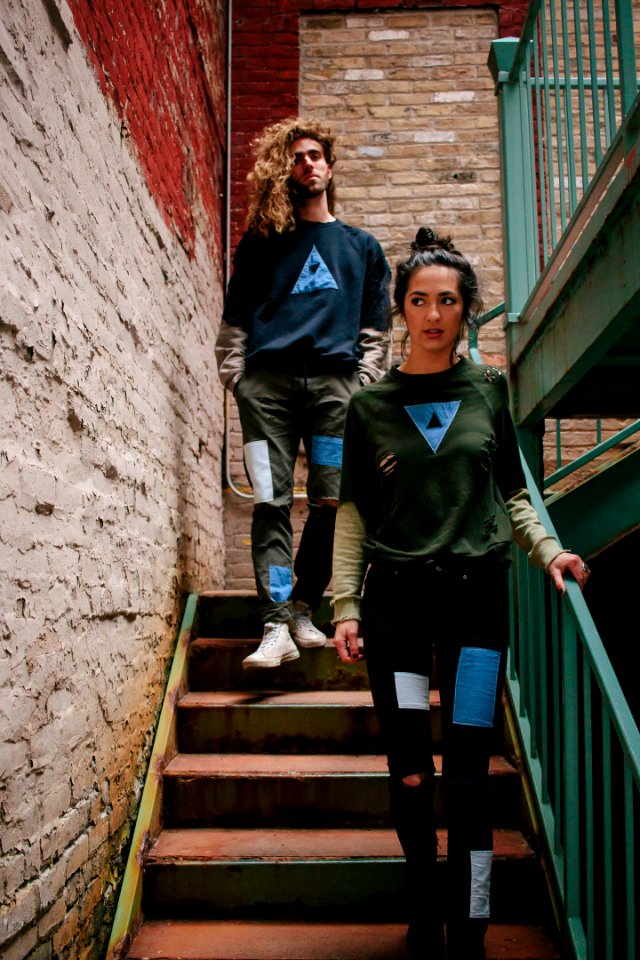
{"type": "Point", "coordinates": [346, 608]}
{"type": "Point", "coordinates": [544, 552]}
{"type": "Point", "coordinates": [529, 532]}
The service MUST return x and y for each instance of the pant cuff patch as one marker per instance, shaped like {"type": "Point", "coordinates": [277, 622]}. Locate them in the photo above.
{"type": "Point", "coordinates": [480, 883]}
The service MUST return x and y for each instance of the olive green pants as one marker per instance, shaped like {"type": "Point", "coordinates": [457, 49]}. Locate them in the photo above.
{"type": "Point", "coordinates": [277, 412]}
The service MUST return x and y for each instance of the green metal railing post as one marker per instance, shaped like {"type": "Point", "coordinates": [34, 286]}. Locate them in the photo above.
{"type": "Point", "coordinates": [626, 55]}
{"type": "Point", "coordinates": [530, 441]}
{"type": "Point", "coordinates": [571, 787]}
{"type": "Point", "coordinates": [519, 227]}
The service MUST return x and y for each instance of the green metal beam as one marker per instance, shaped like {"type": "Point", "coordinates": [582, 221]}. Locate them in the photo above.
{"type": "Point", "coordinates": [601, 509]}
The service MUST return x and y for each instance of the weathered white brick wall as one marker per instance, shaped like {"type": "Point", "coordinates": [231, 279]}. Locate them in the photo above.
{"type": "Point", "coordinates": [110, 491]}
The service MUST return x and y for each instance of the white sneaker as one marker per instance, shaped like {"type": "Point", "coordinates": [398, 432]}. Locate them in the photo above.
{"type": "Point", "coordinates": [304, 632]}
{"type": "Point", "coordinates": [276, 647]}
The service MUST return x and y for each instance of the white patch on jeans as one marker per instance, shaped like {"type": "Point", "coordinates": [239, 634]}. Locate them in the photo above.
{"type": "Point", "coordinates": [480, 883]}
{"type": "Point", "coordinates": [412, 691]}
{"type": "Point", "coordinates": [256, 455]}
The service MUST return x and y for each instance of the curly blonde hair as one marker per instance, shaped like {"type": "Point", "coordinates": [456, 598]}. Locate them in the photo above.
{"type": "Point", "coordinates": [271, 200]}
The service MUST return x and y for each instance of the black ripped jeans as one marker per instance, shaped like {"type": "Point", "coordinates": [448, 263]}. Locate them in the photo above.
{"type": "Point", "coordinates": [457, 611]}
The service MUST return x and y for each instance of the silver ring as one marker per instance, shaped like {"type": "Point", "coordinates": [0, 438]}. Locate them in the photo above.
{"type": "Point", "coordinates": [585, 568]}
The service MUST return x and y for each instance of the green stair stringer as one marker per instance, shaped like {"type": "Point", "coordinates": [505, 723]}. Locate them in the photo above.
{"type": "Point", "coordinates": [128, 912]}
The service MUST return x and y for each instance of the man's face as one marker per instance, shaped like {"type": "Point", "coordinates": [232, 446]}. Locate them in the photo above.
{"type": "Point", "coordinates": [310, 172]}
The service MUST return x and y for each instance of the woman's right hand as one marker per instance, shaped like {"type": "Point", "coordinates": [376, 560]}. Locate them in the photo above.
{"type": "Point", "coordinates": [346, 641]}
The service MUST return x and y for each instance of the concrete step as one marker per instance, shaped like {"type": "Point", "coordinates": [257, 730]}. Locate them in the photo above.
{"type": "Point", "coordinates": [232, 940]}
{"type": "Point", "coordinates": [303, 790]}
{"type": "Point", "coordinates": [339, 873]}
{"type": "Point", "coordinates": [263, 721]}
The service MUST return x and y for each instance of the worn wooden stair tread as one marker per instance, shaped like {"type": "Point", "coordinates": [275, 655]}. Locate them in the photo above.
{"type": "Point", "coordinates": [259, 698]}
{"type": "Point", "coordinates": [216, 844]}
{"type": "Point", "coordinates": [301, 765]}
{"type": "Point", "coordinates": [255, 940]}
{"type": "Point", "coordinates": [226, 643]}
{"type": "Point", "coordinates": [283, 698]}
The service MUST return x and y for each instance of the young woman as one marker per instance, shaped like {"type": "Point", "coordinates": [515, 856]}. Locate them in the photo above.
{"type": "Point", "coordinates": [432, 495]}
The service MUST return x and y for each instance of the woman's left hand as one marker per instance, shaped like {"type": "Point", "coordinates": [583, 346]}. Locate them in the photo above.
{"type": "Point", "coordinates": [568, 563]}
{"type": "Point", "coordinates": [346, 641]}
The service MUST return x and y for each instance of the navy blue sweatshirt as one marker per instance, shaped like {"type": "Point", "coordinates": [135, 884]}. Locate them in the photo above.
{"type": "Point", "coordinates": [304, 297]}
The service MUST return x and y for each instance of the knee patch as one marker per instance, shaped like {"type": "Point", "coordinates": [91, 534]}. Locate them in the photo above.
{"type": "Point", "coordinates": [412, 691]}
{"type": "Point", "coordinates": [476, 687]}
{"type": "Point", "coordinates": [280, 583]}
{"type": "Point", "coordinates": [256, 457]}
{"type": "Point", "coordinates": [326, 451]}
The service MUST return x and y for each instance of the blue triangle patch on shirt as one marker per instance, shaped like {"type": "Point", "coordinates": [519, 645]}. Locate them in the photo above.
{"type": "Point", "coordinates": [315, 275]}
{"type": "Point", "coordinates": [433, 420]}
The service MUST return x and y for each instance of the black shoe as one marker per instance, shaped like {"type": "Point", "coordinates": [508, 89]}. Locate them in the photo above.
{"type": "Point", "coordinates": [460, 952]}
{"type": "Point", "coordinates": [425, 941]}
{"type": "Point", "coordinates": [465, 947]}
{"type": "Point", "coordinates": [465, 952]}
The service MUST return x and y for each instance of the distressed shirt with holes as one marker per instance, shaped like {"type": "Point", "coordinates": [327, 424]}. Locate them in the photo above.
{"type": "Point", "coordinates": [429, 461]}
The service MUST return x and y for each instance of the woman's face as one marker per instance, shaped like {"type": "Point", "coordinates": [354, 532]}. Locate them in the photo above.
{"type": "Point", "coordinates": [433, 312]}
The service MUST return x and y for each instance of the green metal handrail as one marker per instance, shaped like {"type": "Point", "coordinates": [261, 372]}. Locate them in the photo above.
{"type": "Point", "coordinates": [582, 747]}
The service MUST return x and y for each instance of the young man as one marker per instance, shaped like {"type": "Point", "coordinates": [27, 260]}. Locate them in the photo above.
{"type": "Point", "coordinates": [306, 322]}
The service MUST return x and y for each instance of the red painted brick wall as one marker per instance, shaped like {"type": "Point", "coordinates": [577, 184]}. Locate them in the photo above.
{"type": "Point", "coordinates": [163, 67]}
{"type": "Point", "coordinates": [265, 64]}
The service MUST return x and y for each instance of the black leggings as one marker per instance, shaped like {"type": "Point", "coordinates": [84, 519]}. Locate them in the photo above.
{"type": "Point", "coordinates": [459, 613]}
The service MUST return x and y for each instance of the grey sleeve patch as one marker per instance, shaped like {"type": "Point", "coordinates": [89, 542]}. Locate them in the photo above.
{"type": "Point", "coordinates": [412, 691]}
{"type": "Point", "coordinates": [231, 348]}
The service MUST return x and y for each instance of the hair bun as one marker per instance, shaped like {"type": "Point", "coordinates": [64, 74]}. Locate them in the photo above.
{"type": "Point", "coordinates": [426, 239]}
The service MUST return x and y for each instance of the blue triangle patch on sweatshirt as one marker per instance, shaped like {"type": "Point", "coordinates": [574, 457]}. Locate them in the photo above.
{"type": "Point", "coordinates": [315, 275]}
{"type": "Point", "coordinates": [433, 420]}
